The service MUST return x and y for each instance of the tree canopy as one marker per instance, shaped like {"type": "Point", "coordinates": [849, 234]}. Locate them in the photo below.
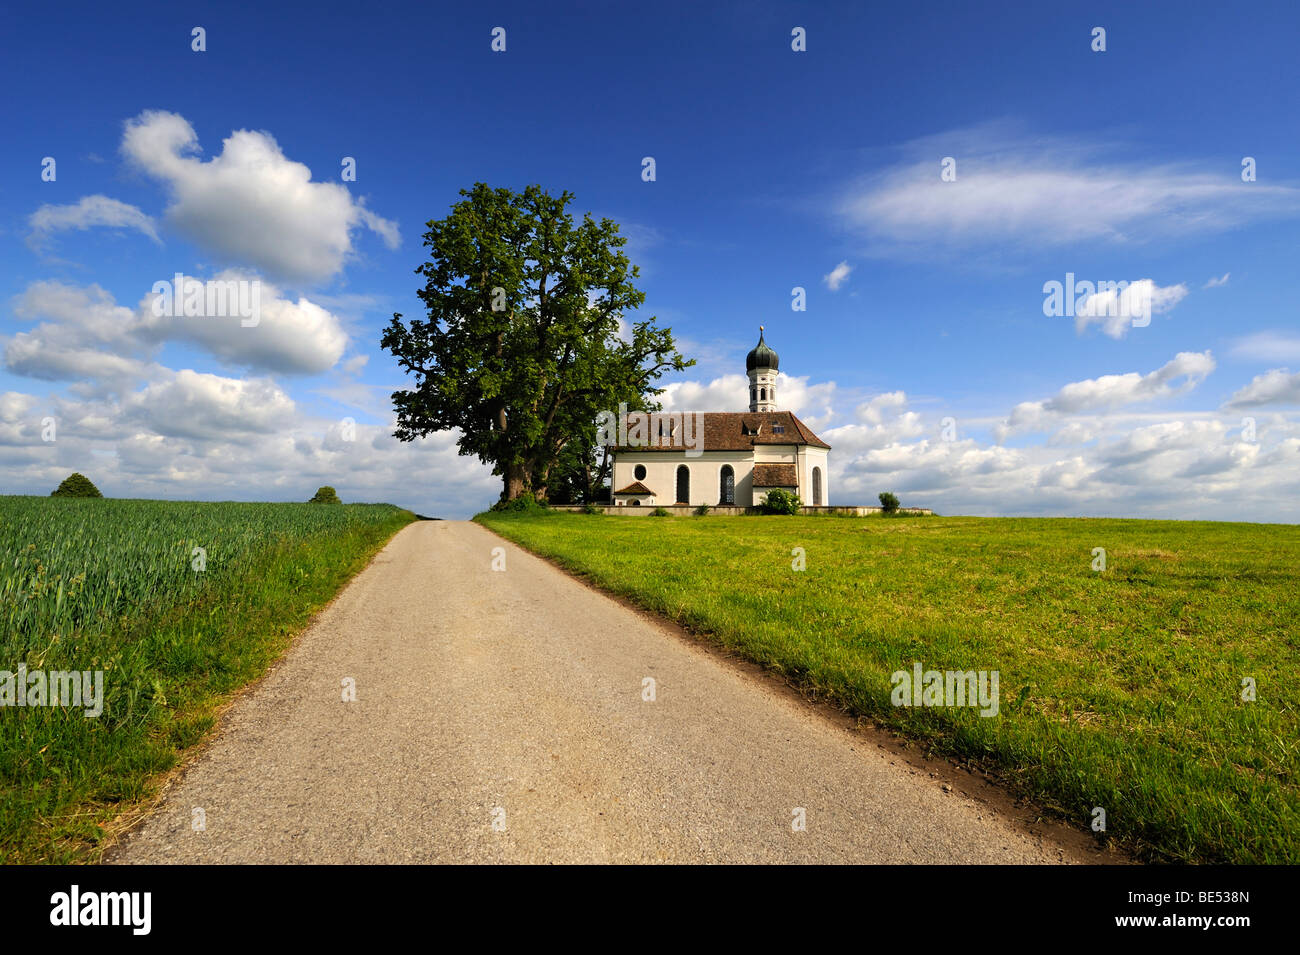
{"type": "Point", "coordinates": [525, 340]}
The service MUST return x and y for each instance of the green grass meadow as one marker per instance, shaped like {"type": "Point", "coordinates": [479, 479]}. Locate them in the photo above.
{"type": "Point", "coordinates": [1119, 689]}
{"type": "Point", "coordinates": [97, 584]}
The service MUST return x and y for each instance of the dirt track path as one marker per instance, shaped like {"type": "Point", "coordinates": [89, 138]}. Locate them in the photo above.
{"type": "Point", "coordinates": [514, 699]}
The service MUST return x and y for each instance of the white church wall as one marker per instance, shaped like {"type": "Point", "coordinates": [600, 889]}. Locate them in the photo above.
{"type": "Point", "coordinates": [775, 454]}
{"type": "Point", "coordinates": [705, 470]}
{"type": "Point", "coordinates": [814, 458]}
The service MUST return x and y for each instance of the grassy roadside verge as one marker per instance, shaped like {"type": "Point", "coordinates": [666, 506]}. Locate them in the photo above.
{"type": "Point", "coordinates": [1119, 689]}
{"type": "Point", "coordinates": [110, 585]}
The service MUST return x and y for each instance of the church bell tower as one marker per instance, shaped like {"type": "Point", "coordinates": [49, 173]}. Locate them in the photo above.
{"type": "Point", "coordinates": [761, 364]}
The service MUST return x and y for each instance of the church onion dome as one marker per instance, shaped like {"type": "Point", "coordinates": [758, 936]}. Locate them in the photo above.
{"type": "Point", "coordinates": [761, 356]}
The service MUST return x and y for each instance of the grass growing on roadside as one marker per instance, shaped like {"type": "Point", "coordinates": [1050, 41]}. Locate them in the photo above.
{"type": "Point", "coordinates": [111, 585]}
{"type": "Point", "coordinates": [1120, 689]}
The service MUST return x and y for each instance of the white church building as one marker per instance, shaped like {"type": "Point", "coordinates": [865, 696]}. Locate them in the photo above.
{"type": "Point", "coordinates": [721, 458]}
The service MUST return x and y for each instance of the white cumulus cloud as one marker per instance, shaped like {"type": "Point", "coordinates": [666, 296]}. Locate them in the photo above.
{"type": "Point", "coordinates": [1181, 373]}
{"type": "Point", "coordinates": [191, 404]}
{"type": "Point", "coordinates": [251, 205]}
{"type": "Point", "coordinates": [84, 335]}
{"type": "Point", "coordinates": [837, 276]}
{"type": "Point", "coordinates": [1116, 310]}
{"type": "Point", "coordinates": [1276, 387]}
{"type": "Point", "coordinates": [293, 337]}
{"type": "Point", "coordinates": [91, 211]}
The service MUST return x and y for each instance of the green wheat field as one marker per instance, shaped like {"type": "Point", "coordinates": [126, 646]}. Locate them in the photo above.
{"type": "Point", "coordinates": [112, 585]}
{"type": "Point", "coordinates": [1120, 689]}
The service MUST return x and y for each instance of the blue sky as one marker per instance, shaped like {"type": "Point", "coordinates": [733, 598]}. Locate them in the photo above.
{"type": "Point", "coordinates": [773, 167]}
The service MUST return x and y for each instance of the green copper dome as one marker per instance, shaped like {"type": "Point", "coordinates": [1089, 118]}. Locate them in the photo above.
{"type": "Point", "coordinates": [761, 356]}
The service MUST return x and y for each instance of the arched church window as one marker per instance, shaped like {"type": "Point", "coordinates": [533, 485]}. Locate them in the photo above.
{"type": "Point", "coordinates": [727, 491]}
{"type": "Point", "coordinates": [639, 472]}
{"type": "Point", "coordinates": [683, 484]}
{"type": "Point", "coordinates": [817, 487]}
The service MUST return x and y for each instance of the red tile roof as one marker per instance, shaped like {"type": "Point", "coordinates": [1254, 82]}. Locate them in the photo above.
{"type": "Point", "coordinates": [636, 487]}
{"type": "Point", "coordinates": [735, 431]}
{"type": "Point", "coordinates": [775, 475]}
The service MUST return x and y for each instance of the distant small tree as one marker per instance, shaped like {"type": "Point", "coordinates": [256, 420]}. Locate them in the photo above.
{"type": "Point", "coordinates": [888, 502]}
{"type": "Point", "coordinates": [325, 495]}
{"type": "Point", "coordinates": [779, 501]}
{"type": "Point", "coordinates": [76, 485]}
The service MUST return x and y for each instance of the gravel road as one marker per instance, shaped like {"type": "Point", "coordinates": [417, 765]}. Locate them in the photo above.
{"type": "Point", "coordinates": [499, 717]}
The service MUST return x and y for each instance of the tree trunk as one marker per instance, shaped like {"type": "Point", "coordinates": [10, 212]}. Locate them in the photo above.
{"type": "Point", "coordinates": [516, 477]}
{"type": "Point", "coordinates": [540, 477]}
{"type": "Point", "coordinates": [600, 476]}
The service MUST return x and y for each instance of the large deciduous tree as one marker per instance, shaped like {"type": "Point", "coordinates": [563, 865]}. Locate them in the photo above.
{"type": "Point", "coordinates": [521, 349]}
